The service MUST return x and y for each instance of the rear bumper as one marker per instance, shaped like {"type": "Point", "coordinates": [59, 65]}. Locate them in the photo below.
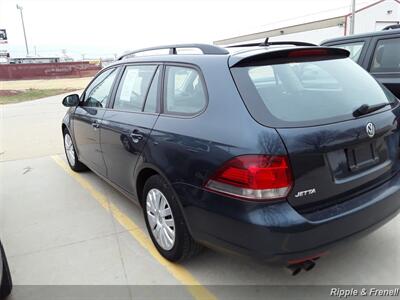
{"type": "Point", "coordinates": [277, 232]}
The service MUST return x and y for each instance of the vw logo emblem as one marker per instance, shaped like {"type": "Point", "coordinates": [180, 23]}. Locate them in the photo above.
{"type": "Point", "coordinates": [370, 129]}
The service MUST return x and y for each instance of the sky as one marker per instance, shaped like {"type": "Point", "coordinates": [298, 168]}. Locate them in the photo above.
{"type": "Point", "coordinates": [103, 28]}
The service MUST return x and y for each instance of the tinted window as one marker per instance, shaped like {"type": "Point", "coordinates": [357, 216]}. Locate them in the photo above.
{"type": "Point", "coordinates": [133, 87]}
{"type": "Point", "coordinates": [354, 49]}
{"type": "Point", "coordinates": [315, 92]}
{"type": "Point", "coordinates": [151, 100]}
{"type": "Point", "coordinates": [184, 92]}
{"type": "Point", "coordinates": [99, 90]}
{"type": "Point", "coordinates": [387, 56]}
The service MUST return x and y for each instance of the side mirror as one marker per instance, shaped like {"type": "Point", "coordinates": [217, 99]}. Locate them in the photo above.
{"type": "Point", "coordinates": [71, 100]}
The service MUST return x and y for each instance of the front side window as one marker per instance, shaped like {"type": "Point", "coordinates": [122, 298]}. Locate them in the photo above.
{"type": "Point", "coordinates": [387, 56]}
{"type": "Point", "coordinates": [133, 87]}
{"type": "Point", "coordinates": [354, 49]}
{"type": "Point", "coordinates": [98, 92]}
{"type": "Point", "coordinates": [184, 91]}
{"type": "Point", "coordinates": [151, 99]}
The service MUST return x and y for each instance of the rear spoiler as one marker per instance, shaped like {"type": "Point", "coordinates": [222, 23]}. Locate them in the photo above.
{"type": "Point", "coordinates": [279, 56]}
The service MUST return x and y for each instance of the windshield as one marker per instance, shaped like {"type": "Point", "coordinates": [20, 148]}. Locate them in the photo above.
{"type": "Point", "coordinates": [313, 92]}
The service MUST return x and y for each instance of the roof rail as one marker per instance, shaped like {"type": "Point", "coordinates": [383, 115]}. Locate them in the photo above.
{"type": "Point", "coordinates": [267, 43]}
{"type": "Point", "coordinates": [394, 26]}
{"type": "Point", "coordinates": [205, 48]}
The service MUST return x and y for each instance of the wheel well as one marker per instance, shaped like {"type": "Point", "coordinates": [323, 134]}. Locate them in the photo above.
{"type": "Point", "coordinates": [141, 181]}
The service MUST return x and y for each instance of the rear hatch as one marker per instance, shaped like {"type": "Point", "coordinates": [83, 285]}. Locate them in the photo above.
{"type": "Point", "coordinates": [339, 125]}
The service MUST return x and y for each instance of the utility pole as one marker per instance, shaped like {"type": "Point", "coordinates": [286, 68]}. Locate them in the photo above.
{"type": "Point", "coordinates": [353, 16]}
{"type": "Point", "coordinates": [23, 27]}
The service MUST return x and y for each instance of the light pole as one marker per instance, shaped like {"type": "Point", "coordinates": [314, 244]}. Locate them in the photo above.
{"type": "Point", "coordinates": [23, 27]}
{"type": "Point", "coordinates": [353, 16]}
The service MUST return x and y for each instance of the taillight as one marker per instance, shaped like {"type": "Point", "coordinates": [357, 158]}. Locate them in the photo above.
{"type": "Point", "coordinates": [253, 177]}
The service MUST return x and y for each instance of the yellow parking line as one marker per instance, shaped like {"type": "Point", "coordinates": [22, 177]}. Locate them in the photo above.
{"type": "Point", "coordinates": [180, 273]}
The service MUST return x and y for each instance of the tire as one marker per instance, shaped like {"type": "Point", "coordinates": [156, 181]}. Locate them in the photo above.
{"type": "Point", "coordinates": [70, 153]}
{"type": "Point", "coordinates": [6, 281]}
{"type": "Point", "coordinates": [183, 246]}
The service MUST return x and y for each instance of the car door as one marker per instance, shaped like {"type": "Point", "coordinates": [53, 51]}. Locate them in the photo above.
{"type": "Point", "coordinates": [179, 137]}
{"type": "Point", "coordinates": [87, 117]}
{"type": "Point", "coordinates": [384, 63]}
{"type": "Point", "coordinates": [127, 124]}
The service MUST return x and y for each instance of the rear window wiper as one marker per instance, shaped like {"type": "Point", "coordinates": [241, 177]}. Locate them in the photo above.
{"type": "Point", "coordinates": [366, 109]}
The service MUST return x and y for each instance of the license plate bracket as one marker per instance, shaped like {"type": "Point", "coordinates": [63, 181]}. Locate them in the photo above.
{"type": "Point", "coordinates": [362, 156]}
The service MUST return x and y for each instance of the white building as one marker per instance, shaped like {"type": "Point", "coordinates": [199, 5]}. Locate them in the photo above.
{"type": "Point", "coordinates": [319, 27]}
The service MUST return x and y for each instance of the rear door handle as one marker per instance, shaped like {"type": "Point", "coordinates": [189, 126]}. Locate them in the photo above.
{"type": "Point", "coordinates": [96, 124]}
{"type": "Point", "coordinates": [136, 137]}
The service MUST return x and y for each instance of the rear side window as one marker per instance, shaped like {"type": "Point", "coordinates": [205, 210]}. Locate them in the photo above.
{"type": "Point", "coordinates": [387, 56]}
{"type": "Point", "coordinates": [354, 49]}
{"type": "Point", "coordinates": [133, 87]}
{"type": "Point", "coordinates": [184, 91]}
{"type": "Point", "coordinates": [307, 93]}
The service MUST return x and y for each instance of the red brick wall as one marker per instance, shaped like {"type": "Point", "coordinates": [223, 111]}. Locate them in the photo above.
{"type": "Point", "coordinates": [46, 71]}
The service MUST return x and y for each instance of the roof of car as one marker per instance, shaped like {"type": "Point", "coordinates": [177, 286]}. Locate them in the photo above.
{"type": "Point", "coordinates": [363, 35]}
{"type": "Point", "coordinates": [231, 54]}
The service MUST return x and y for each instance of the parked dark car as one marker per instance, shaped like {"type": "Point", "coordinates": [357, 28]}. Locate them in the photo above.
{"type": "Point", "coordinates": [276, 151]}
{"type": "Point", "coordinates": [377, 52]}
{"type": "Point", "coordinates": [5, 275]}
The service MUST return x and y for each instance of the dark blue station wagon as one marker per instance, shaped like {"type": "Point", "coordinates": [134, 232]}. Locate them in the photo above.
{"type": "Point", "coordinates": [277, 151]}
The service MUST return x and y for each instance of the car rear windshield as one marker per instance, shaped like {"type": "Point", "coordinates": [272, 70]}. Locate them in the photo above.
{"type": "Point", "coordinates": [308, 93]}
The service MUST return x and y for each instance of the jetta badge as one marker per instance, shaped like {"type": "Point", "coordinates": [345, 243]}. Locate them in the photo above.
{"type": "Point", "coordinates": [305, 193]}
{"type": "Point", "coordinates": [370, 129]}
